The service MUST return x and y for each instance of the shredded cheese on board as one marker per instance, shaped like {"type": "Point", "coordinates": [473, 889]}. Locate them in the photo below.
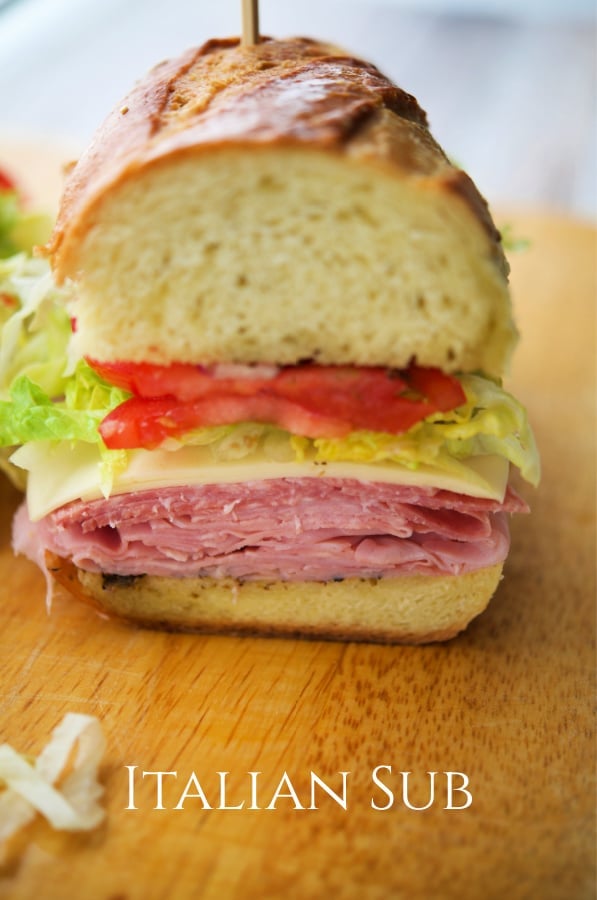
{"type": "Point", "coordinates": [61, 783]}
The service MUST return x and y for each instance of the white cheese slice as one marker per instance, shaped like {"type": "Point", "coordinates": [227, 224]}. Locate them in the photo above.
{"type": "Point", "coordinates": [60, 472]}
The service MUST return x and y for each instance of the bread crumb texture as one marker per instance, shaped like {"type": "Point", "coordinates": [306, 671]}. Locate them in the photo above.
{"type": "Point", "coordinates": [279, 204]}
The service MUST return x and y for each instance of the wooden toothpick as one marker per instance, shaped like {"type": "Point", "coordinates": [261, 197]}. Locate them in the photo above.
{"type": "Point", "coordinates": [250, 22]}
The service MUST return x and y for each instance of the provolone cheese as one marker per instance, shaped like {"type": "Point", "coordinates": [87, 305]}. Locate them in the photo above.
{"type": "Point", "coordinates": [60, 472]}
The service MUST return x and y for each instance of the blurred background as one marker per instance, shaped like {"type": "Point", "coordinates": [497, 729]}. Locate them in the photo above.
{"type": "Point", "coordinates": [509, 86]}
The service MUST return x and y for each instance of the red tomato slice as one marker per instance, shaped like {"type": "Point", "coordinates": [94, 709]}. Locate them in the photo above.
{"type": "Point", "coordinates": [373, 398]}
{"type": "Point", "coordinates": [141, 422]}
{"type": "Point", "coordinates": [444, 391]}
{"type": "Point", "coordinates": [310, 400]}
{"type": "Point", "coordinates": [180, 380]}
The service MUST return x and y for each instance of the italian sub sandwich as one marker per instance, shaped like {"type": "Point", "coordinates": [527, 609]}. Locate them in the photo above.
{"type": "Point", "coordinates": [280, 317]}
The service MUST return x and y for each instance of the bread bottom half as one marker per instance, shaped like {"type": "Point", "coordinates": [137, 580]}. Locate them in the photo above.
{"type": "Point", "coordinates": [411, 609]}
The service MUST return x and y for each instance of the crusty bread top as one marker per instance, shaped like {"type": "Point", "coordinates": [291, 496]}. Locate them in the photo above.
{"type": "Point", "coordinates": [292, 91]}
{"type": "Point", "coordinates": [276, 203]}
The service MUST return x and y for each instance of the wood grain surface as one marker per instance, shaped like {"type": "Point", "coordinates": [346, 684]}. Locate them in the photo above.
{"type": "Point", "coordinates": [509, 703]}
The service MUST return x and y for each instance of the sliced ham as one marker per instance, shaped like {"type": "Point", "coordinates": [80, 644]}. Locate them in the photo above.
{"type": "Point", "coordinates": [309, 529]}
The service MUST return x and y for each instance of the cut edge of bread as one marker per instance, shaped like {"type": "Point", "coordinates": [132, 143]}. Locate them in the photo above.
{"type": "Point", "coordinates": [286, 254]}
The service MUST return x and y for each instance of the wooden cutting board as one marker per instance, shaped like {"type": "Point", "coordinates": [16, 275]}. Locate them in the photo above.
{"type": "Point", "coordinates": [508, 704]}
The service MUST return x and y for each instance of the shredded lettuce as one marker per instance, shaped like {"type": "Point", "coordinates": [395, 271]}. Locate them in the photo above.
{"type": "Point", "coordinates": [34, 326]}
{"type": "Point", "coordinates": [31, 415]}
{"type": "Point", "coordinates": [491, 421]}
{"type": "Point", "coordinates": [34, 322]}
{"type": "Point", "coordinates": [232, 442]}
{"type": "Point", "coordinates": [44, 393]}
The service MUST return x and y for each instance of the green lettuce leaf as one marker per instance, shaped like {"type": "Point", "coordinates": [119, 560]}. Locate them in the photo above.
{"type": "Point", "coordinates": [30, 414]}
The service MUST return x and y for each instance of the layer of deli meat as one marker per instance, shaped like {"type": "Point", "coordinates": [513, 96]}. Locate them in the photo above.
{"type": "Point", "coordinates": [293, 529]}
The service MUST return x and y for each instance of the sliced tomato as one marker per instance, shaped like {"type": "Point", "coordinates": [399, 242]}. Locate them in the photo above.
{"type": "Point", "coordinates": [444, 391]}
{"type": "Point", "coordinates": [310, 400]}
{"type": "Point", "coordinates": [142, 422]}
{"type": "Point", "coordinates": [373, 398]}
{"type": "Point", "coordinates": [180, 380]}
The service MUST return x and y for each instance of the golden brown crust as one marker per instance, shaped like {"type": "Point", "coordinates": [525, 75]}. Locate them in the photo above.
{"type": "Point", "coordinates": [290, 92]}
{"type": "Point", "coordinates": [413, 609]}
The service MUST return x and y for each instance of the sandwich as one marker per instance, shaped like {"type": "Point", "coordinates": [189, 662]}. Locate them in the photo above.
{"type": "Point", "coordinates": [285, 318]}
